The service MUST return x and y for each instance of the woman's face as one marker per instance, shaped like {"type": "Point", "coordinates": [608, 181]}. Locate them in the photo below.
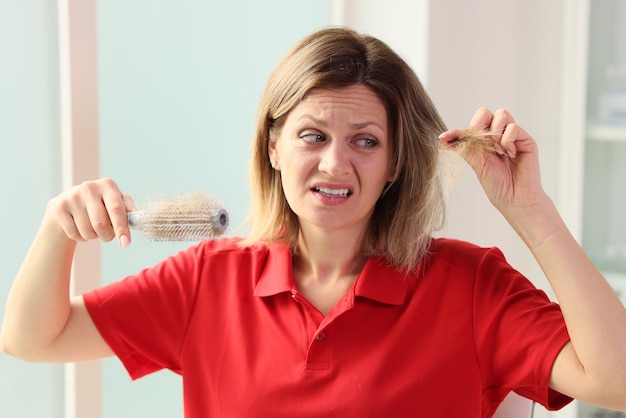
{"type": "Point", "coordinates": [334, 154]}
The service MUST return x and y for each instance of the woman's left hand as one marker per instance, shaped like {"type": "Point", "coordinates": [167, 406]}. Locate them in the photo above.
{"type": "Point", "coordinates": [510, 175]}
{"type": "Point", "coordinates": [592, 366]}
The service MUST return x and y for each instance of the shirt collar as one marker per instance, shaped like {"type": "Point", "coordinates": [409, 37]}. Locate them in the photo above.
{"type": "Point", "coordinates": [378, 281]}
{"type": "Point", "coordinates": [276, 275]}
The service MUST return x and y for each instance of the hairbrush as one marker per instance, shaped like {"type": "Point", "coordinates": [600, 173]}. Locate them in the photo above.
{"type": "Point", "coordinates": [188, 217]}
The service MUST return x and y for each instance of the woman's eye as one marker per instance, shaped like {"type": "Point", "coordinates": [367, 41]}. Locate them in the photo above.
{"type": "Point", "coordinates": [312, 138]}
{"type": "Point", "coordinates": [366, 142]}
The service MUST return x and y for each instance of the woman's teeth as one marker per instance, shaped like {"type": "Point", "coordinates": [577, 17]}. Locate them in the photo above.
{"type": "Point", "coordinates": [332, 192]}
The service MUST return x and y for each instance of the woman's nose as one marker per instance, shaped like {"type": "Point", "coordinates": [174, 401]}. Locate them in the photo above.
{"type": "Point", "coordinates": [334, 159]}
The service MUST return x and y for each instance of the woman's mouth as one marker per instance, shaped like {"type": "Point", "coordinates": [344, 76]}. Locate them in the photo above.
{"type": "Point", "coordinates": [332, 192]}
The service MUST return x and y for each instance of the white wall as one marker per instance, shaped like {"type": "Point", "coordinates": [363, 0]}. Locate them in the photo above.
{"type": "Point", "coordinates": [499, 55]}
{"type": "Point", "coordinates": [493, 53]}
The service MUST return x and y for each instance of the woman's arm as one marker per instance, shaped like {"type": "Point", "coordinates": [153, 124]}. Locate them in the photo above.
{"type": "Point", "coordinates": [41, 321]}
{"type": "Point", "coordinates": [592, 367]}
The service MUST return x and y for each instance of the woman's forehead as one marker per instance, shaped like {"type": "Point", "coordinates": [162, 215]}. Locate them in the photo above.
{"type": "Point", "coordinates": [359, 101]}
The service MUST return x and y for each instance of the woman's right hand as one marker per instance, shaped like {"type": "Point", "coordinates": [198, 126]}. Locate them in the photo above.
{"type": "Point", "coordinates": [41, 321]}
{"type": "Point", "coordinates": [92, 210]}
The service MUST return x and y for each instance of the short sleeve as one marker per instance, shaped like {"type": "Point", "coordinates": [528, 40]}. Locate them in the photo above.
{"type": "Point", "coordinates": [144, 317]}
{"type": "Point", "coordinates": [518, 333]}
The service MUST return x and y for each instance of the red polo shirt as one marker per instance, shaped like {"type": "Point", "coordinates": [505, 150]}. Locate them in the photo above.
{"type": "Point", "coordinates": [449, 342]}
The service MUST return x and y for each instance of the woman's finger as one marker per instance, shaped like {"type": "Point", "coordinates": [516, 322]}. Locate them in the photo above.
{"type": "Point", "coordinates": [68, 224]}
{"type": "Point", "coordinates": [481, 120]}
{"type": "Point", "coordinates": [449, 137]}
{"type": "Point", "coordinates": [515, 139]}
{"type": "Point", "coordinates": [118, 205]}
{"type": "Point", "coordinates": [501, 118]}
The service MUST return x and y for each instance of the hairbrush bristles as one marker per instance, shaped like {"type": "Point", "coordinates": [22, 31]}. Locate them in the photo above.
{"type": "Point", "coordinates": [189, 217]}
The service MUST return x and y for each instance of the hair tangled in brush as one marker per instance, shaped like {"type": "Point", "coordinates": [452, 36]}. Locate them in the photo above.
{"type": "Point", "coordinates": [188, 217]}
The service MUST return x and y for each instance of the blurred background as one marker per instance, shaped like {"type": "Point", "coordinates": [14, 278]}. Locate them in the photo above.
{"type": "Point", "coordinates": [161, 96]}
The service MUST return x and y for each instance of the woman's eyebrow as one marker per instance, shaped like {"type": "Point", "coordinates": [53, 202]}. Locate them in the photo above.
{"type": "Point", "coordinates": [356, 125]}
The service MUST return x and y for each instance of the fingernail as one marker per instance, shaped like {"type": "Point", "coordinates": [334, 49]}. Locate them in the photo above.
{"type": "Point", "coordinates": [124, 241]}
{"type": "Point", "coordinates": [499, 150]}
{"type": "Point", "coordinates": [510, 154]}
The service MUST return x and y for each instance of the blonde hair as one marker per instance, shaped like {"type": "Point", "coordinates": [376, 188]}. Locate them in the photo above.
{"type": "Point", "coordinates": [412, 205]}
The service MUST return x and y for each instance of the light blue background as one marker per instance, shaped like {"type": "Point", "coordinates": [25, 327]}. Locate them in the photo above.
{"type": "Point", "coordinates": [30, 175]}
{"type": "Point", "coordinates": [179, 83]}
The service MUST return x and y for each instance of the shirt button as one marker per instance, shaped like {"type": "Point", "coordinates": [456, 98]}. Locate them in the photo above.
{"type": "Point", "coordinates": [321, 336]}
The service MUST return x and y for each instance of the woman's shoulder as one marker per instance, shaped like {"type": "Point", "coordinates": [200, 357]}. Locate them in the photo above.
{"type": "Point", "coordinates": [446, 245]}
{"type": "Point", "coordinates": [234, 248]}
{"type": "Point", "coordinates": [462, 253]}
{"type": "Point", "coordinates": [231, 246]}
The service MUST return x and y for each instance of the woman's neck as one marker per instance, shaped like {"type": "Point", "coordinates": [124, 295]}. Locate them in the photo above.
{"type": "Point", "coordinates": [326, 266]}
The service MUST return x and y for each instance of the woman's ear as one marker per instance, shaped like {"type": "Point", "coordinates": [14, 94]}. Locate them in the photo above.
{"type": "Point", "coordinates": [273, 153]}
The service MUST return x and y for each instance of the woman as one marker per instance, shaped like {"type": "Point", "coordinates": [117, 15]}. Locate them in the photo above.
{"type": "Point", "coordinates": [340, 302]}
